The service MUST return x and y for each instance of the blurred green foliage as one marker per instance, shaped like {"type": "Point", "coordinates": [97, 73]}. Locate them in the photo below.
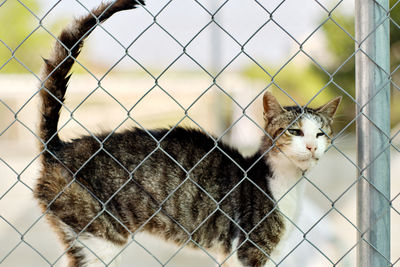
{"type": "Point", "coordinates": [302, 81]}
{"type": "Point", "coordinates": [291, 78]}
{"type": "Point", "coordinates": [22, 39]}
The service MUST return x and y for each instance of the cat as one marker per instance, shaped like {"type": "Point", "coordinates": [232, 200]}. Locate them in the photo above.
{"type": "Point", "coordinates": [179, 184]}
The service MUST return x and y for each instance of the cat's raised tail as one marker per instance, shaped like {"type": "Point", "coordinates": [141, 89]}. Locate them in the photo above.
{"type": "Point", "coordinates": [56, 70]}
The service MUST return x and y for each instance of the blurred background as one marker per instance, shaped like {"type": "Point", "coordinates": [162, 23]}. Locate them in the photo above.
{"type": "Point", "coordinates": [169, 64]}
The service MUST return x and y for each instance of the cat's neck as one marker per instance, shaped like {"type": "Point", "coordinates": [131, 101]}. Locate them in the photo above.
{"type": "Point", "coordinates": [285, 176]}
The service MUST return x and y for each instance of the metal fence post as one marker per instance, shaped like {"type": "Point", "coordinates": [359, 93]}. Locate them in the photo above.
{"type": "Point", "coordinates": [373, 131]}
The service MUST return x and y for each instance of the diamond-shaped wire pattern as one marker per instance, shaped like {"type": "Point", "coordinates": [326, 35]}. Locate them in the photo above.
{"type": "Point", "coordinates": [202, 64]}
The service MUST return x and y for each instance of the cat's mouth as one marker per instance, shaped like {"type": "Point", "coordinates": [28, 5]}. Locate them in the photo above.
{"type": "Point", "coordinates": [304, 157]}
{"type": "Point", "coordinates": [308, 158]}
{"type": "Point", "coordinates": [306, 162]}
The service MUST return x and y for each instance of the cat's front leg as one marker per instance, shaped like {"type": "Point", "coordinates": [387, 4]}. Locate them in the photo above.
{"type": "Point", "coordinates": [251, 255]}
{"type": "Point", "coordinates": [246, 255]}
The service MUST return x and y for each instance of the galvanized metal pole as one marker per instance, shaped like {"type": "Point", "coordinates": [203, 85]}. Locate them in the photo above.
{"type": "Point", "coordinates": [373, 129]}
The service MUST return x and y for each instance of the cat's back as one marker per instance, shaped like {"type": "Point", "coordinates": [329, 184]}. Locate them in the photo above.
{"type": "Point", "coordinates": [162, 158]}
{"type": "Point", "coordinates": [184, 146]}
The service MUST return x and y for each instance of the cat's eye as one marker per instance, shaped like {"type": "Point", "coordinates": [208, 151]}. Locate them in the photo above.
{"type": "Point", "coordinates": [320, 134]}
{"type": "Point", "coordinates": [296, 132]}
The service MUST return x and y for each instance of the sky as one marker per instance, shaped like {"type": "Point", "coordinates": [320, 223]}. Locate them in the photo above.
{"type": "Point", "coordinates": [245, 32]}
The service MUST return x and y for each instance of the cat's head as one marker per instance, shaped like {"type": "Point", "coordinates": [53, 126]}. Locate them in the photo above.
{"type": "Point", "coordinates": [301, 135]}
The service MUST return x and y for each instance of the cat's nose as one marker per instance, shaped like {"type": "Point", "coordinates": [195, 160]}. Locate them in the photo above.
{"type": "Point", "coordinates": [312, 148]}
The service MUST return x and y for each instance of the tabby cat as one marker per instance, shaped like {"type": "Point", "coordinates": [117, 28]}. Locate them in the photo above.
{"type": "Point", "coordinates": [179, 184]}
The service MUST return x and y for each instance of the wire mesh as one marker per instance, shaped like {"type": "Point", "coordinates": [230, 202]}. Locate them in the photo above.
{"type": "Point", "coordinates": [326, 236]}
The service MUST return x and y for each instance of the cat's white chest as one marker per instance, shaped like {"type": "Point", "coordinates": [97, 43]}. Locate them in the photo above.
{"type": "Point", "coordinates": [287, 189]}
{"type": "Point", "coordinates": [288, 194]}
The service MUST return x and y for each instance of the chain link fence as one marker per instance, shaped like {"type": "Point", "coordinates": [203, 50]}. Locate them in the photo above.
{"type": "Point", "coordinates": [158, 75]}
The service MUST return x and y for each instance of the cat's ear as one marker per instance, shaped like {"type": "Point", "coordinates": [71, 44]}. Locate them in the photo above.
{"type": "Point", "coordinates": [330, 108]}
{"type": "Point", "coordinates": [271, 106]}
